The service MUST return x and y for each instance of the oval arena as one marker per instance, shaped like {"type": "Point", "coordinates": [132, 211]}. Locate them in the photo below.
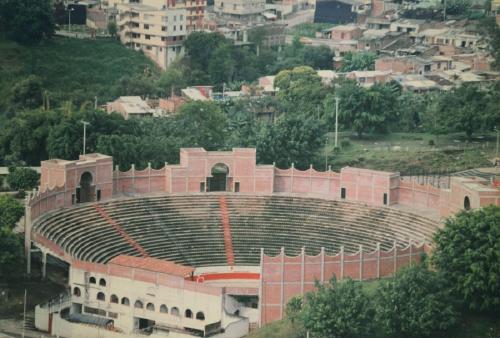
{"type": "Point", "coordinates": [217, 244]}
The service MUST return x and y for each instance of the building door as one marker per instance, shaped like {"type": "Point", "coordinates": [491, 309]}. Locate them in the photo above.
{"type": "Point", "coordinates": [218, 180]}
{"type": "Point", "coordinates": [86, 191]}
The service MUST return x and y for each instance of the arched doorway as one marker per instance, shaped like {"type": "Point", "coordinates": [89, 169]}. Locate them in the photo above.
{"type": "Point", "coordinates": [218, 181]}
{"type": "Point", "coordinates": [86, 191]}
{"type": "Point", "coordinates": [466, 203]}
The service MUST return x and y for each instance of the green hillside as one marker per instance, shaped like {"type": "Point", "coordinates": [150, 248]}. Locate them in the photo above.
{"type": "Point", "coordinates": [70, 69]}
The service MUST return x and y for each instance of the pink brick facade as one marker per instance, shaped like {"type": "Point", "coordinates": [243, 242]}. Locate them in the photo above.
{"type": "Point", "coordinates": [284, 277]}
{"type": "Point", "coordinates": [60, 180]}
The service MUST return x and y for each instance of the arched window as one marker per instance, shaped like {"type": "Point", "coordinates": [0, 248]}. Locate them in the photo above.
{"type": "Point", "coordinates": [102, 282]}
{"type": "Point", "coordinates": [92, 280]}
{"type": "Point", "coordinates": [138, 304]}
{"type": "Point", "coordinates": [163, 308]}
{"type": "Point", "coordinates": [125, 301]}
{"type": "Point", "coordinates": [200, 315]}
{"type": "Point", "coordinates": [174, 311]}
{"type": "Point", "coordinates": [466, 203]}
{"type": "Point", "coordinates": [150, 307]}
{"type": "Point", "coordinates": [77, 292]}
{"type": "Point", "coordinates": [114, 299]}
{"type": "Point", "coordinates": [101, 296]}
{"type": "Point", "coordinates": [188, 313]}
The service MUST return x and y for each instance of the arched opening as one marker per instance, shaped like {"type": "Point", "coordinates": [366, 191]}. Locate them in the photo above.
{"type": "Point", "coordinates": [77, 292]}
{"type": "Point", "coordinates": [200, 315]}
{"type": "Point", "coordinates": [188, 313]}
{"type": "Point", "coordinates": [102, 282]}
{"type": "Point", "coordinates": [114, 299]}
{"type": "Point", "coordinates": [175, 311]}
{"type": "Point", "coordinates": [86, 191]}
{"type": "Point", "coordinates": [125, 301]}
{"type": "Point", "coordinates": [163, 308]}
{"type": "Point", "coordinates": [150, 307]}
{"type": "Point", "coordinates": [466, 203]}
{"type": "Point", "coordinates": [92, 280]}
{"type": "Point", "coordinates": [101, 296]}
{"type": "Point", "coordinates": [218, 181]}
{"type": "Point", "coordinates": [138, 304]}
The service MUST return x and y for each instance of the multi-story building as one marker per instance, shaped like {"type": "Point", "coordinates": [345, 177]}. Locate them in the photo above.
{"type": "Point", "coordinates": [240, 8]}
{"type": "Point", "coordinates": [195, 8]}
{"type": "Point", "coordinates": [159, 32]}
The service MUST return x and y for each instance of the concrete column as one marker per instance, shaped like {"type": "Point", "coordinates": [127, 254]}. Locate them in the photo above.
{"type": "Point", "coordinates": [27, 232]}
{"type": "Point", "coordinates": [272, 178]}
{"type": "Point", "coordinates": [342, 262]}
{"type": "Point", "coordinates": [261, 287]}
{"type": "Point", "coordinates": [302, 269]}
{"type": "Point", "coordinates": [149, 176]}
{"type": "Point", "coordinates": [411, 251]}
{"type": "Point", "coordinates": [310, 177]}
{"type": "Point", "coordinates": [282, 284]}
{"type": "Point", "coordinates": [360, 262]}
{"type": "Point", "coordinates": [322, 272]}
{"type": "Point", "coordinates": [293, 171]}
{"type": "Point", "coordinates": [378, 260]}
{"type": "Point", "coordinates": [116, 180]}
{"type": "Point", "coordinates": [44, 265]}
{"type": "Point", "coordinates": [395, 257]}
{"type": "Point", "coordinates": [133, 178]}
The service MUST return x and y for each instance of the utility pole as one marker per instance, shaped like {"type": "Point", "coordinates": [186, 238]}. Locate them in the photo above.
{"type": "Point", "coordinates": [69, 18]}
{"type": "Point", "coordinates": [85, 123]}
{"type": "Point", "coordinates": [326, 154]}
{"type": "Point", "coordinates": [337, 99]}
{"type": "Point", "coordinates": [444, 11]}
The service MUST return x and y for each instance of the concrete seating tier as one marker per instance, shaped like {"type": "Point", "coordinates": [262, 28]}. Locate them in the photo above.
{"type": "Point", "coordinates": [187, 229]}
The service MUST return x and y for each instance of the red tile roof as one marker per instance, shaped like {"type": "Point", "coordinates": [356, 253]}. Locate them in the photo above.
{"type": "Point", "coordinates": [152, 264]}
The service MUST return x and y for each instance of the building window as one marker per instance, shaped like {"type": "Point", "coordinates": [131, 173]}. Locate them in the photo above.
{"type": "Point", "coordinates": [200, 315]}
{"type": "Point", "coordinates": [148, 37]}
{"type": "Point", "coordinates": [385, 198]}
{"type": "Point", "coordinates": [138, 304]}
{"type": "Point", "coordinates": [92, 280]}
{"type": "Point", "coordinates": [342, 193]}
{"type": "Point", "coordinates": [125, 301]}
{"type": "Point", "coordinates": [77, 292]}
{"type": "Point", "coordinates": [188, 313]}
{"type": "Point", "coordinates": [114, 299]}
{"type": "Point", "coordinates": [174, 311]}
{"type": "Point", "coordinates": [163, 308]}
{"type": "Point", "coordinates": [466, 203]}
{"type": "Point", "coordinates": [113, 315]}
{"type": "Point", "coordinates": [202, 187]}
{"type": "Point", "coordinates": [101, 296]}
{"type": "Point", "coordinates": [102, 282]}
{"type": "Point", "coordinates": [237, 187]}
{"type": "Point", "coordinates": [163, 28]}
{"type": "Point", "coordinates": [150, 307]}
{"type": "Point", "coordinates": [99, 194]}
{"type": "Point", "coordinates": [146, 26]}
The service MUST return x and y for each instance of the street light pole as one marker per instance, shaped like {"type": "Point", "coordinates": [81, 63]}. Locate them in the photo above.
{"type": "Point", "coordinates": [69, 18]}
{"type": "Point", "coordinates": [337, 99]}
{"type": "Point", "coordinates": [84, 134]}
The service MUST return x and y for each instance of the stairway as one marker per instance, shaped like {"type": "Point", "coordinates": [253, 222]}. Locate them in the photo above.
{"type": "Point", "coordinates": [121, 231]}
{"type": "Point", "coordinates": [226, 225]}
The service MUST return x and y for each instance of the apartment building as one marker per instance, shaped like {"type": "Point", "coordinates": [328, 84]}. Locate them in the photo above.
{"type": "Point", "coordinates": [195, 9]}
{"type": "Point", "coordinates": [239, 8]}
{"type": "Point", "coordinates": [158, 32]}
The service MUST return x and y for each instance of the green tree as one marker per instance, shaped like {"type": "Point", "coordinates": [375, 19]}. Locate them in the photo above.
{"type": "Point", "coordinates": [27, 21]}
{"type": "Point", "coordinates": [221, 67]}
{"type": "Point", "coordinates": [415, 303]}
{"type": "Point", "coordinates": [27, 94]}
{"type": "Point", "coordinates": [202, 124]}
{"type": "Point", "coordinates": [358, 61]}
{"type": "Point", "coordinates": [338, 310]}
{"type": "Point", "coordinates": [11, 211]}
{"type": "Point", "coordinates": [467, 252]}
{"type": "Point", "coordinates": [200, 46]}
{"type": "Point", "coordinates": [11, 253]}
{"type": "Point", "coordinates": [318, 57]}
{"type": "Point", "coordinates": [22, 178]}
{"type": "Point", "coordinates": [112, 28]}
{"type": "Point", "coordinates": [291, 139]}
{"type": "Point", "coordinates": [300, 89]}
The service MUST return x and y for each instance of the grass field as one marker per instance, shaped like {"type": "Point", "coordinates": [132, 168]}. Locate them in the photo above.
{"type": "Point", "coordinates": [70, 68]}
{"type": "Point", "coordinates": [411, 152]}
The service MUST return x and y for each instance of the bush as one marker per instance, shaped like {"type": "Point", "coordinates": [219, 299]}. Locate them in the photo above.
{"type": "Point", "coordinates": [337, 310]}
{"type": "Point", "coordinates": [10, 211]}
{"type": "Point", "coordinates": [431, 143]}
{"type": "Point", "coordinates": [415, 303]}
{"type": "Point", "coordinates": [467, 251]}
{"type": "Point", "coordinates": [22, 178]}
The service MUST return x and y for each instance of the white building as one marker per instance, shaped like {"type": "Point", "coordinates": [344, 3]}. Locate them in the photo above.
{"type": "Point", "coordinates": [158, 32]}
{"type": "Point", "coordinates": [240, 8]}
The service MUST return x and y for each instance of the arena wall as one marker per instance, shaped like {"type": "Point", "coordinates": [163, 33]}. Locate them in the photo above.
{"type": "Point", "coordinates": [283, 277]}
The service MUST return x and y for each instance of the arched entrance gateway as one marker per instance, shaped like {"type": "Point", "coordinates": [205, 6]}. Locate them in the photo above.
{"type": "Point", "coordinates": [219, 179]}
{"type": "Point", "coordinates": [86, 191]}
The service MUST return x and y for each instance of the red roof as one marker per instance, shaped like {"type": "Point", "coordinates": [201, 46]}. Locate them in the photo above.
{"type": "Point", "coordinates": [152, 264]}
